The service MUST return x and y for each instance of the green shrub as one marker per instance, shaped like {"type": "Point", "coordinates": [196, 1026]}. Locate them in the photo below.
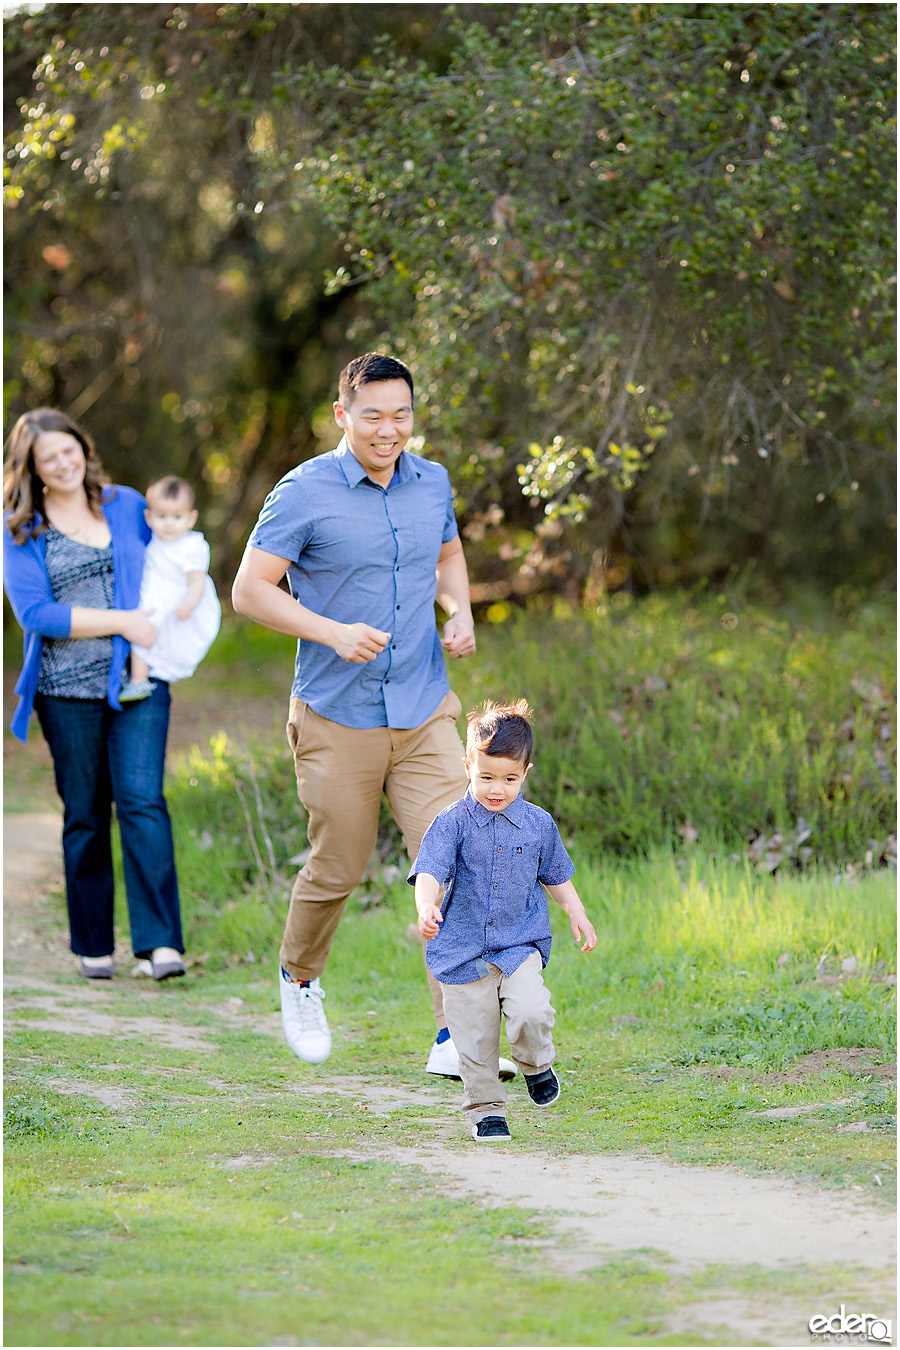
{"type": "Point", "coordinates": [658, 728]}
{"type": "Point", "coordinates": [654, 723]}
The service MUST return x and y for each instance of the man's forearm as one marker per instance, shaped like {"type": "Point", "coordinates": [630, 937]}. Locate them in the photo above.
{"type": "Point", "coordinates": [269, 605]}
{"type": "Point", "coordinates": [262, 599]}
{"type": "Point", "coordinates": [452, 590]}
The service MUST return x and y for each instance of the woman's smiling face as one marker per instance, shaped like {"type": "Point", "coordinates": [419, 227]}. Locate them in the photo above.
{"type": "Point", "coordinates": [59, 461]}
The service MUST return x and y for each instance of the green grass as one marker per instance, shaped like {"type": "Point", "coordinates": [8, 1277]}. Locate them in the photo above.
{"type": "Point", "coordinates": [718, 991]}
{"type": "Point", "coordinates": [709, 981]}
{"type": "Point", "coordinates": [343, 1254]}
{"type": "Point", "coordinates": [137, 1226]}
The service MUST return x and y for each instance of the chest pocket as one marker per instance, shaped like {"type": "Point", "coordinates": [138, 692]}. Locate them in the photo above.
{"type": "Point", "coordinates": [525, 861]}
{"type": "Point", "coordinates": [406, 540]}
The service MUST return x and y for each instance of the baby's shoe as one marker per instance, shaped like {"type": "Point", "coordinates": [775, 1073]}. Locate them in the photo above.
{"type": "Point", "coordinates": [135, 690]}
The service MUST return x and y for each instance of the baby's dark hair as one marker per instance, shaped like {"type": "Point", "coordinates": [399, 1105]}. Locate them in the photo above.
{"type": "Point", "coordinates": [502, 729]}
{"type": "Point", "coordinates": [169, 489]}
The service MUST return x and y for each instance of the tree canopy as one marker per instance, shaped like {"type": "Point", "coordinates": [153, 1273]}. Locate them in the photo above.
{"type": "Point", "coordinates": [639, 259]}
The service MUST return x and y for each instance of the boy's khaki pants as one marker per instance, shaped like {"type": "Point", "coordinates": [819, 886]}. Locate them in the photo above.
{"type": "Point", "coordinates": [341, 775]}
{"type": "Point", "coordinates": [473, 1016]}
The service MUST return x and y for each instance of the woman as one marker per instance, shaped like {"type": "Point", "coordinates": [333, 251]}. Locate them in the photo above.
{"type": "Point", "coordinates": [73, 553]}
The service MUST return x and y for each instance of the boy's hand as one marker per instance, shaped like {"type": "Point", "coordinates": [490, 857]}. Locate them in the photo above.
{"type": "Point", "coordinates": [430, 917]}
{"type": "Point", "coordinates": [582, 927]}
{"type": "Point", "coordinates": [565, 895]}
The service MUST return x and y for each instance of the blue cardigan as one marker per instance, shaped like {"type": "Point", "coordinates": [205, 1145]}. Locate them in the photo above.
{"type": "Point", "coordinates": [27, 584]}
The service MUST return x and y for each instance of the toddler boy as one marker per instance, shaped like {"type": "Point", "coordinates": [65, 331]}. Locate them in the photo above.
{"type": "Point", "coordinates": [488, 942]}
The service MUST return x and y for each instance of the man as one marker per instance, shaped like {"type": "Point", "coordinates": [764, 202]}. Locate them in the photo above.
{"type": "Point", "coordinates": [367, 537]}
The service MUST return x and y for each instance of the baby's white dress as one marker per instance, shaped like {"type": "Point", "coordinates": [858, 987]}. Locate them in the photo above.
{"type": "Point", "coordinates": [182, 643]}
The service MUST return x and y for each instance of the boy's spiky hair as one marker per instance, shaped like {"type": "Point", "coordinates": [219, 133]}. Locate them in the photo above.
{"type": "Point", "coordinates": [501, 729]}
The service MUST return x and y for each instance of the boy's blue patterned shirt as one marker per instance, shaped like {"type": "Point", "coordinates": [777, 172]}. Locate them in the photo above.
{"type": "Point", "coordinates": [492, 864]}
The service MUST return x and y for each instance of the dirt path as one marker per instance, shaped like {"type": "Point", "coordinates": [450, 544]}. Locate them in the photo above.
{"type": "Point", "coordinates": [601, 1205]}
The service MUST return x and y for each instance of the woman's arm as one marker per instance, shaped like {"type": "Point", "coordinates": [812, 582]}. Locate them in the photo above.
{"type": "Point", "coordinates": [26, 583]}
{"type": "Point", "coordinates": [131, 624]}
{"type": "Point", "coordinates": [31, 596]}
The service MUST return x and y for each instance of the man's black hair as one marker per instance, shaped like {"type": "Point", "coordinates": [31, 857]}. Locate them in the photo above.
{"type": "Point", "coordinates": [369, 369]}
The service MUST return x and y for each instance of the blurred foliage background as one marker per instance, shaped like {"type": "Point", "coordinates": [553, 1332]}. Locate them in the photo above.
{"type": "Point", "coordinates": [639, 258]}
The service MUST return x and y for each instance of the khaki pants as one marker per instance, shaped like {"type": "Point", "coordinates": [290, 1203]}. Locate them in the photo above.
{"type": "Point", "coordinates": [473, 1016]}
{"type": "Point", "coordinates": [341, 775]}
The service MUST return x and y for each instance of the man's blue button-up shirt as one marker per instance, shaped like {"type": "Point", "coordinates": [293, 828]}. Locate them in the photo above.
{"type": "Point", "coordinates": [360, 553]}
{"type": "Point", "coordinates": [492, 864]}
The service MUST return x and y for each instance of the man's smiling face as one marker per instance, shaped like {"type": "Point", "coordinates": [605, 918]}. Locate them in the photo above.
{"type": "Point", "coordinates": [377, 424]}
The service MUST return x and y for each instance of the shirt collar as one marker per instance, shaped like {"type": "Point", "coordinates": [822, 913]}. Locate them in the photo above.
{"type": "Point", "coordinates": [404, 469]}
{"type": "Point", "coordinates": [514, 813]}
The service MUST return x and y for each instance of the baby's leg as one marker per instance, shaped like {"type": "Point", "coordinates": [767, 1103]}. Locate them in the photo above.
{"type": "Point", "coordinates": [529, 1016]}
{"type": "Point", "coordinates": [139, 668]}
{"type": "Point", "coordinates": [137, 685]}
{"type": "Point", "coordinates": [473, 1017]}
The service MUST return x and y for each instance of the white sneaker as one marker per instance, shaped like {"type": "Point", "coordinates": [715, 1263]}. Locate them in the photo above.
{"type": "Point", "coordinates": [303, 1018]}
{"type": "Point", "coordinates": [443, 1061]}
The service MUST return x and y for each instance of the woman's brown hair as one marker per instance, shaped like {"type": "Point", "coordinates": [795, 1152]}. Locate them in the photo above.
{"type": "Point", "coordinates": [23, 491]}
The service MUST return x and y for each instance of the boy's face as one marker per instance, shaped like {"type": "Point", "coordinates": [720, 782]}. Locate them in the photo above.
{"type": "Point", "coordinates": [170, 519]}
{"type": "Point", "coordinates": [496, 782]}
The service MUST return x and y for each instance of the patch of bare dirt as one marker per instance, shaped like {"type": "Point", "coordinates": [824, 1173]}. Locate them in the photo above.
{"type": "Point", "coordinates": [117, 1099]}
{"type": "Point", "coordinates": [861, 1061]}
{"type": "Point", "coordinates": [696, 1216]}
{"type": "Point", "coordinates": [72, 1018]}
{"type": "Point", "coordinates": [248, 1160]}
{"type": "Point", "coordinates": [793, 1112]}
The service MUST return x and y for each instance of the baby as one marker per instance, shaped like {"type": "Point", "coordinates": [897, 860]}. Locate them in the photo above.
{"type": "Point", "coordinates": [178, 590]}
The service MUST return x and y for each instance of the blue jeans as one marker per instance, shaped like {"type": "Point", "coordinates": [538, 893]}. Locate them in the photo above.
{"type": "Point", "coordinates": [101, 757]}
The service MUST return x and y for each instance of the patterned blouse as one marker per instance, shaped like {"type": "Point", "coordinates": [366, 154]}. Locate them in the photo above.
{"type": "Point", "coordinates": [79, 575]}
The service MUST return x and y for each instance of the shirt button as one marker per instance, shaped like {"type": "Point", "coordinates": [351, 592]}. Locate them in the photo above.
{"type": "Point", "coordinates": [396, 606]}
{"type": "Point", "coordinates": [499, 848]}
{"type": "Point", "coordinates": [496, 888]}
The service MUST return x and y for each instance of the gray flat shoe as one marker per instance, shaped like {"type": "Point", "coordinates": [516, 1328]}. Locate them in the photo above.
{"type": "Point", "coordinates": [164, 970]}
{"type": "Point", "coordinates": [105, 972]}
